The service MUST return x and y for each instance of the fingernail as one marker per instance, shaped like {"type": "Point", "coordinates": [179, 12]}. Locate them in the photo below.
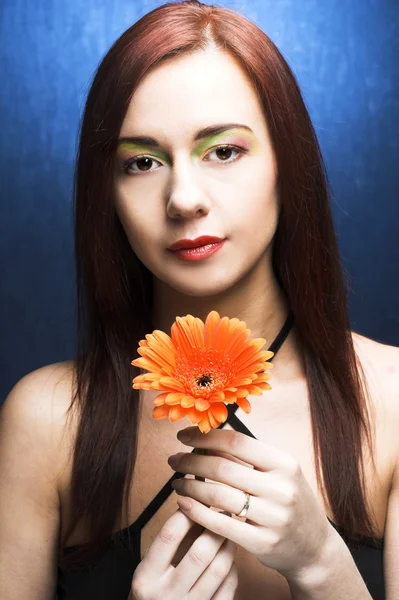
{"type": "Point", "coordinates": [184, 503]}
{"type": "Point", "coordinates": [177, 484]}
{"type": "Point", "coordinates": [173, 460]}
{"type": "Point", "coordinates": [184, 436]}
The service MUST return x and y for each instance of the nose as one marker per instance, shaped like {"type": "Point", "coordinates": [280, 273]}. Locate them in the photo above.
{"type": "Point", "coordinates": [186, 199]}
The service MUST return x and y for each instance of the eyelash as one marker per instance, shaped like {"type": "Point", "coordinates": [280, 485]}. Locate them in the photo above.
{"type": "Point", "coordinates": [129, 161]}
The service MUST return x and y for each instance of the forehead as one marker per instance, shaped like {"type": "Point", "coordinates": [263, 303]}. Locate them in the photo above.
{"type": "Point", "coordinates": [192, 91]}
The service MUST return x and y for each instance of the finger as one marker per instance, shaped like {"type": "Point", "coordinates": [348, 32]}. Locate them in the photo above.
{"type": "Point", "coordinates": [214, 577]}
{"type": "Point", "coordinates": [248, 535]}
{"type": "Point", "coordinates": [265, 512]}
{"type": "Point", "coordinates": [222, 470]}
{"type": "Point", "coordinates": [229, 586]}
{"type": "Point", "coordinates": [212, 452]}
{"type": "Point", "coordinates": [161, 552]}
{"type": "Point", "coordinates": [195, 562]}
{"type": "Point", "coordinates": [263, 457]}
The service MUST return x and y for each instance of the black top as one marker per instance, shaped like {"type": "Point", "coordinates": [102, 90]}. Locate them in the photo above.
{"type": "Point", "coordinates": [110, 576]}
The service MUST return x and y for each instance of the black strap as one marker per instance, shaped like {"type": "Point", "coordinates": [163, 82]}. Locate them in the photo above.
{"type": "Point", "coordinates": [282, 335]}
{"type": "Point", "coordinates": [234, 421]}
{"type": "Point", "coordinates": [275, 347]}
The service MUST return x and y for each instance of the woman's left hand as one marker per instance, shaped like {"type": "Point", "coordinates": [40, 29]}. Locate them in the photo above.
{"type": "Point", "coordinates": [285, 527]}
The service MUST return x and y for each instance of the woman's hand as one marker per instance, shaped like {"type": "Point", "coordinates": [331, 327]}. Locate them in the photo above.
{"type": "Point", "coordinates": [286, 528]}
{"type": "Point", "coordinates": [206, 571]}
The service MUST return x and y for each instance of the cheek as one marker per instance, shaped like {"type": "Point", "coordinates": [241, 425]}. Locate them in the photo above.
{"type": "Point", "coordinates": [135, 220]}
{"type": "Point", "coordinates": [256, 202]}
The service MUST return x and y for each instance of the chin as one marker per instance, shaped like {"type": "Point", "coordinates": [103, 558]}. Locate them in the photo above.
{"type": "Point", "coordinates": [199, 287]}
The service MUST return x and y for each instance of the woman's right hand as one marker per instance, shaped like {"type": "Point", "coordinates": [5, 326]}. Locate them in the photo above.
{"type": "Point", "coordinates": [205, 572]}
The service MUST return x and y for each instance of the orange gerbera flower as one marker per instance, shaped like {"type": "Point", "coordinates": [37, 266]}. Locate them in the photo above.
{"type": "Point", "coordinates": [201, 368]}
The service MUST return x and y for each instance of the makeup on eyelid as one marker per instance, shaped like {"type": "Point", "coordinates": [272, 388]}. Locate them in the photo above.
{"type": "Point", "coordinates": [244, 138]}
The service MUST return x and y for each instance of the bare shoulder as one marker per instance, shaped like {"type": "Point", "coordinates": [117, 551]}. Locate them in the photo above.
{"type": "Point", "coordinates": [380, 363]}
{"type": "Point", "coordinates": [45, 394]}
{"type": "Point", "coordinates": [38, 405]}
{"type": "Point", "coordinates": [32, 443]}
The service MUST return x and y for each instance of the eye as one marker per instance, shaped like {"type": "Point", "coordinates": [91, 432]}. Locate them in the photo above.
{"type": "Point", "coordinates": [143, 162]}
{"type": "Point", "coordinates": [225, 151]}
{"type": "Point", "coordinates": [140, 161]}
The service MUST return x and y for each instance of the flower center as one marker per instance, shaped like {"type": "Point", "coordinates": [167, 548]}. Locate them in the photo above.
{"type": "Point", "coordinates": [203, 372]}
{"type": "Point", "coordinates": [205, 380]}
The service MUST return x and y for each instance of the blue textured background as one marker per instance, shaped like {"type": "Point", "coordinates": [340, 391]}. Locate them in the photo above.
{"type": "Point", "coordinates": [345, 56]}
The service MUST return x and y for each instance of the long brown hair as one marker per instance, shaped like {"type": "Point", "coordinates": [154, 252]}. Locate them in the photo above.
{"type": "Point", "coordinates": [115, 289]}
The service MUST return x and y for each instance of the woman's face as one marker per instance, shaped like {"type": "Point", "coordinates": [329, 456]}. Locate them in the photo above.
{"type": "Point", "coordinates": [183, 187]}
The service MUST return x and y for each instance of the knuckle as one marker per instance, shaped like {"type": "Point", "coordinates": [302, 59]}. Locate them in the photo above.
{"type": "Point", "coordinates": [284, 518]}
{"type": "Point", "coordinates": [265, 542]}
{"type": "Point", "coordinates": [220, 567]}
{"type": "Point", "coordinates": [291, 495]}
{"type": "Point", "coordinates": [138, 588]}
{"type": "Point", "coordinates": [238, 440]}
{"type": "Point", "coordinates": [295, 471]}
{"type": "Point", "coordinates": [168, 536]}
{"type": "Point", "coordinates": [215, 495]}
{"type": "Point", "coordinates": [223, 469]}
{"type": "Point", "coordinates": [273, 541]}
{"type": "Point", "coordinates": [228, 549]}
{"type": "Point", "coordinates": [198, 555]}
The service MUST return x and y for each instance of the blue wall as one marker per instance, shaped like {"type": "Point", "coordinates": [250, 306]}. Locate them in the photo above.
{"type": "Point", "coordinates": [345, 56]}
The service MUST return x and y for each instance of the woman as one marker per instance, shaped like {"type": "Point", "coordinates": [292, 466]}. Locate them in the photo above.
{"type": "Point", "coordinates": [194, 126]}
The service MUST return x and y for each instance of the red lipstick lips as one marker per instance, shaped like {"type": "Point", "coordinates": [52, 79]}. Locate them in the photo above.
{"type": "Point", "coordinates": [199, 241]}
{"type": "Point", "coordinates": [197, 249]}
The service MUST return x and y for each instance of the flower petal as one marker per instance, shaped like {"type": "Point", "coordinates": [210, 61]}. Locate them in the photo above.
{"type": "Point", "coordinates": [142, 386]}
{"type": "Point", "coordinates": [162, 344]}
{"type": "Point", "coordinates": [255, 390]}
{"type": "Point", "coordinates": [194, 415]}
{"type": "Point", "coordinates": [220, 339]}
{"type": "Point", "coordinates": [160, 399]}
{"type": "Point", "coordinates": [213, 422]}
{"type": "Point", "coordinates": [211, 324]}
{"type": "Point", "coordinates": [176, 413]}
{"type": "Point", "coordinates": [146, 363]}
{"type": "Point", "coordinates": [242, 393]}
{"type": "Point", "coordinates": [262, 377]}
{"type": "Point", "coordinates": [160, 412]}
{"type": "Point", "coordinates": [172, 384]}
{"type": "Point", "coordinates": [180, 340]}
{"type": "Point", "coordinates": [230, 397]}
{"type": "Point", "coordinates": [198, 333]}
{"type": "Point", "coordinates": [187, 401]}
{"type": "Point", "coordinates": [245, 381]}
{"type": "Point", "coordinates": [248, 352]}
{"type": "Point", "coordinates": [219, 411]}
{"type": "Point", "coordinates": [192, 329]}
{"type": "Point", "coordinates": [217, 396]}
{"type": "Point", "coordinates": [265, 386]}
{"type": "Point", "coordinates": [152, 354]}
{"type": "Point", "coordinates": [237, 342]}
{"type": "Point", "coordinates": [174, 398]}
{"type": "Point", "coordinates": [201, 404]}
{"type": "Point", "coordinates": [244, 404]}
{"type": "Point", "coordinates": [204, 424]}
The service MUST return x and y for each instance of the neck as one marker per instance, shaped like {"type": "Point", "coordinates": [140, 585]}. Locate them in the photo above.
{"type": "Point", "coordinates": [256, 299]}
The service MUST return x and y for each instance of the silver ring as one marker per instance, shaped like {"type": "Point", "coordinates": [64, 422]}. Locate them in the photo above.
{"type": "Point", "coordinates": [245, 507]}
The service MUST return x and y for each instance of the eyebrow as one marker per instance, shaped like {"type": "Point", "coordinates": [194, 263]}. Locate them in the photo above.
{"type": "Point", "coordinates": [142, 140]}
